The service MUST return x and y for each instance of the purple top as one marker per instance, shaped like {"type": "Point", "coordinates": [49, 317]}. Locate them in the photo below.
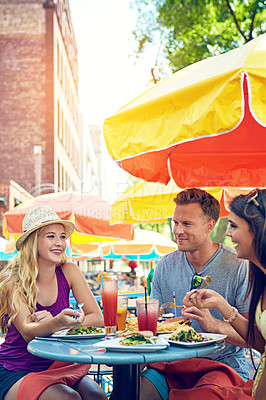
{"type": "Point", "coordinates": [13, 351]}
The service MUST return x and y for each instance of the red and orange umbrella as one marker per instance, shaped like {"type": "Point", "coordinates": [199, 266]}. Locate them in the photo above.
{"type": "Point", "coordinates": [90, 214]}
{"type": "Point", "coordinates": [205, 125]}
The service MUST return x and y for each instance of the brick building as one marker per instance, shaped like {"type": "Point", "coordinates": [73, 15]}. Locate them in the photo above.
{"type": "Point", "coordinates": [39, 136]}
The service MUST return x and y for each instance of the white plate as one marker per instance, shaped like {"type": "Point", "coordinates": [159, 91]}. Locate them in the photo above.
{"type": "Point", "coordinates": [63, 335]}
{"type": "Point", "coordinates": [164, 333]}
{"type": "Point", "coordinates": [114, 345]}
{"type": "Point", "coordinates": [216, 338]}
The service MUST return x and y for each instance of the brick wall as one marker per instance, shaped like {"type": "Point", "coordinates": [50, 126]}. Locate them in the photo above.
{"type": "Point", "coordinates": [23, 87]}
{"type": "Point", "coordinates": [28, 93]}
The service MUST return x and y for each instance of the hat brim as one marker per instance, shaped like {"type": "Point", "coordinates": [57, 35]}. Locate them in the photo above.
{"type": "Point", "coordinates": [68, 225]}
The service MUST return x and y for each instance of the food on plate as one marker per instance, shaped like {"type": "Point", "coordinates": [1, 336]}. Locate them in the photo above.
{"type": "Point", "coordinates": [148, 334]}
{"type": "Point", "coordinates": [187, 334]}
{"type": "Point", "coordinates": [179, 320]}
{"type": "Point", "coordinates": [170, 325]}
{"type": "Point", "coordinates": [131, 325]}
{"type": "Point", "coordinates": [85, 330]}
{"type": "Point", "coordinates": [138, 338]}
{"type": "Point", "coordinates": [201, 281]}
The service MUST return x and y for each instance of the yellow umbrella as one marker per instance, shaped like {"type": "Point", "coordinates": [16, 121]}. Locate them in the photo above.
{"type": "Point", "coordinates": [205, 125]}
{"type": "Point", "coordinates": [151, 202]}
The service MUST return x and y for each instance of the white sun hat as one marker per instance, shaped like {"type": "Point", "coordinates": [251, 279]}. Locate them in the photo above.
{"type": "Point", "coordinates": [39, 217]}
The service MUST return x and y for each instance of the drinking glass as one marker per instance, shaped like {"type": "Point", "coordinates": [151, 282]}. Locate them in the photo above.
{"type": "Point", "coordinates": [122, 312]}
{"type": "Point", "coordinates": [109, 293]}
{"type": "Point", "coordinates": [147, 313]}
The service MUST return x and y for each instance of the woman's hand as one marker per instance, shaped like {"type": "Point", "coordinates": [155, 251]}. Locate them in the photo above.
{"type": "Point", "coordinates": [204, 298]}
{"type": "Point", "coordinates": [67, 318]}
{"type": "Point", "coordinates": [39, 316]}
{"type": "Point", "coordinates": [71, 319]}
{"type": "Point", "coordinates": [204, 318]}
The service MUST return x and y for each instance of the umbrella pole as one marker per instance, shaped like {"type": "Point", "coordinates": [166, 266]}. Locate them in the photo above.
{"type": "Point", "coordinates": [70, 249]}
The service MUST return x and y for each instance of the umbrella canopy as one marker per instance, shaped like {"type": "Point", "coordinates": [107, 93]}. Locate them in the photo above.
{"type": "Point", "coordinates": [7, 253]}
{"type": "Point", "coordinates": [90, 214]}
{"type": "Point", "coordinates": [205, 125]}
{"type": "Point", "coordinates": [3, 243]}
{"type": "Point", "coordinates": [128, 257]}
{"type": "Point", "coordinates": [152, 202]}
{"type": "Point", "coordinates": [144, 242]}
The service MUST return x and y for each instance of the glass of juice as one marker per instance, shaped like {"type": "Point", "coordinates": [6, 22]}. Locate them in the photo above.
{"type": "Point", "coordinates": [109, 293]}
{"type": "Point", "coordinates": [147, 313]}
{"type": "Point", "coordinates": [122, 312]}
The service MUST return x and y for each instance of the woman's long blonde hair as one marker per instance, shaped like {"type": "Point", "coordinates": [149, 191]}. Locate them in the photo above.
{"type": "Point", "coordinates": [18, 281]}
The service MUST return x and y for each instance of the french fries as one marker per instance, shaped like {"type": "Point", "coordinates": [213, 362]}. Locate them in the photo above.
{"type": "Point", "coordinates": [171, 326]}
{"type": "Point", "coordinates": [162, 327]}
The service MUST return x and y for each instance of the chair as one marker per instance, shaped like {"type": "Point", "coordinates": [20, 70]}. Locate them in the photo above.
{"type": "Point", "coordinates": [253, 359]}
{"type": "Point", "coordinates": [104, 377]}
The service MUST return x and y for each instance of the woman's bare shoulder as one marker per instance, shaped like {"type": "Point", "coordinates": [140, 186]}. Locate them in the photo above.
{"type": "Point", "coordinates": [69, 268]}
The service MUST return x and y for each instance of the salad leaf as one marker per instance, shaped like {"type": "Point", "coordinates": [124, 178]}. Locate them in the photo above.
{"type": "Point", "coordinates": [134, 340]}
{"type": "Point", "coordinates": [84, 330]}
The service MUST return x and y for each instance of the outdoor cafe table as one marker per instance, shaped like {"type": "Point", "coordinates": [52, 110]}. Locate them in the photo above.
{"type": "Point", "coordinates": [126, 365]}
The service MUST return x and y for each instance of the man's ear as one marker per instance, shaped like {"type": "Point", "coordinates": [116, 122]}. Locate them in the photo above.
{"type": "Point", "coordinates": [210, 225]}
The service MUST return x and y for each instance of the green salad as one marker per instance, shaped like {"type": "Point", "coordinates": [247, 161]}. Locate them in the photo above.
{"type": "Point", "coordinates": [188, 335]}
{"type": "Point", "coordinates": [133, 340]}
{"type": "Point", "coordinates": [85, 330]}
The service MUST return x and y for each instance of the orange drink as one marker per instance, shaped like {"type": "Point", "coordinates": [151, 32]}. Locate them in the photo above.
{"type": "Point", "coordinates": [122, 312]}
{"type": "Point", "coordinates": [109, 293]}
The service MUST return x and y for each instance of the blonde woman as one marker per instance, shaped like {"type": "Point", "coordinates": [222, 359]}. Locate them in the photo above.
{"type": "Point", "coordinates": [34, 301]}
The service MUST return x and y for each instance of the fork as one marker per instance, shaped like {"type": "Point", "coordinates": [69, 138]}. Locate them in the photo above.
{"type": "Point", "coordinates": [80, 305]}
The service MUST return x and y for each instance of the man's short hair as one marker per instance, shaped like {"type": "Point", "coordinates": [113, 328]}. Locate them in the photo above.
{"type": "Point", "coordinates": [209, 204]}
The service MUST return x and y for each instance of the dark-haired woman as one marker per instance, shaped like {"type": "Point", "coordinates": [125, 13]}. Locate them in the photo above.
{"type": "Point", "coordinates": [247, 230]}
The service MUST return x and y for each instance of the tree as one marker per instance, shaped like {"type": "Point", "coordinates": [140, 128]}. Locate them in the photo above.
{"type": "Point", "coordinates": [187, 31]}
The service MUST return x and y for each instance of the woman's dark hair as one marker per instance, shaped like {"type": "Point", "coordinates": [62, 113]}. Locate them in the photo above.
{"type": "Point", "coordinates": [252, 212]}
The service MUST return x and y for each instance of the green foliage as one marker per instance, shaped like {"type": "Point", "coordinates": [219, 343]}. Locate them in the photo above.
{"type": "Point", "coordinates": [218, 234]}
{"type": "Point", "coordinates": [187, 31]}
{"type": "Point", "coordinates": [163, 228]}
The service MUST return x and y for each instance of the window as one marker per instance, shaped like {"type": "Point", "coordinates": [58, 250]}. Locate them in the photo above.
{"type": "Point", "coordinates": [58, 121]}
{"type": "Point", "coordinates": [58, 174]}
{"type": "Point", "coordinates": [57, 60]}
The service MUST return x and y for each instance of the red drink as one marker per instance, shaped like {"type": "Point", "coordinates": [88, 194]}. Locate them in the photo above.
{"type": "Point", "coordinates": [109, 294]}
{"type": "Point", "coordinates": [147, 317]}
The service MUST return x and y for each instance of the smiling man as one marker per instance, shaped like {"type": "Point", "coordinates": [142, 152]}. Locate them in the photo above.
{"type": "Point", "coordinates": [196, 261]}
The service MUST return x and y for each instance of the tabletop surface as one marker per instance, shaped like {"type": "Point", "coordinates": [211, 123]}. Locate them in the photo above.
{"type": "Point", "coordinates": [82, 352]}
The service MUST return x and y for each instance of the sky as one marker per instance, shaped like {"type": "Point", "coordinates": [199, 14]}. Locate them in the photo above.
{"type": "Point", "coordinates": [108, 77]}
